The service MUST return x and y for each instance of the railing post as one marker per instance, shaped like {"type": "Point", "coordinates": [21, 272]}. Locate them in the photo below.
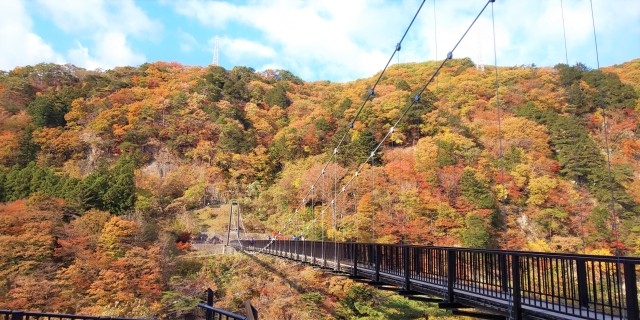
{"type": "Point", "coordinates": [209, 314]}
{"type": "Point", "coordinates": [515, 272]}
{"type": "Point", "coordinates": [17, 315]}
{"type": "Point", "coordinates": [378, 257]}
{"type": "Point", "coordinates": [504, 271]}
{"type": "Point", "coordinates": [355, 259]}
{"type": "Point", "coordinates": [287, 250]}
{"type": "Point", "coordinates": [338, 249]}
{"type": "Point", "coordinates": [451, 274]}
{"type": "Point", "coordinates": [583, 288]}
{"type": "Point", "coordinates": [631, 290]}
{"type": "Point", "coordinates": [324, 255]}
{"type": "Point", "coordinates": [304, 251]}
{"type": "Point", "coordinates": [314, 245]}
{"type": "Point", "coordinates": [407, 267]}
{"type": "Point", "coordinates": [252, 313]}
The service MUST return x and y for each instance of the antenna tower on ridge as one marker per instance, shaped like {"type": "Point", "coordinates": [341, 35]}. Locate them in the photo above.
{"type": "Point", "coordinates": [215, 51]}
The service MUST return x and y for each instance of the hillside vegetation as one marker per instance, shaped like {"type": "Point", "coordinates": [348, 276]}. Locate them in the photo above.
{"type": "Point", "coordinates": [106, 171]}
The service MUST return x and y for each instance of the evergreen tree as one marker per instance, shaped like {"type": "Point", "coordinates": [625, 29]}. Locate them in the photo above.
{"type": "Point", "coordinates": [18, 183]}
{"type": "Point", "coordinates": [96, 185]}
{"type": "Point", "coordinates": [277, 96]}
{"type": "Point", "coordinates": [3, 179]}
{"type": "Point", "coordinates": [120, 196]}
{"type": "Point", "coordinates": [27, 150]}
{"type": "Point", "coordinates": [579, 156]}
{"type": "Point", "coordinates": [363, 145]}
{"type": "Point", "coordinates": [234, 139]}
{"type": "Point", "coordinates": [475, 233]}
{"type": "Point", "coordinates": [476, 192]}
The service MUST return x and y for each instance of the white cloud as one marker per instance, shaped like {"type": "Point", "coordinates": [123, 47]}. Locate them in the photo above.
{"type": "Point", "coordinates": [342, 38]}
{"type": "Point", "coordinates": [214, 13]}
{"type": "Point", "coordinates": [82, 17]}
{"type": "Point", "coordinates": [107, 26]}
{"type": "Point", "coordinates": [111, 50]}
{"type": "Point", "coordinates": [187, 42]}
{"type": "Point", "coordinates": [20, 46]}
{"type": "Point", "coordinates": [346, 40]}
{"type": "Point", "coordinates": [531, 31]}
{"type": "Point", "coordinates": [239, 49]}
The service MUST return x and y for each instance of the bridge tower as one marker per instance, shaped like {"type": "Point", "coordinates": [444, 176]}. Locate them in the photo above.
{"type": "Point", "coordinates": [234, 208]}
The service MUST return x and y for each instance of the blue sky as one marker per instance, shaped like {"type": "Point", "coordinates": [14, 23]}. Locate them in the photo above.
{"type": "Point", "coordinates": [337, 40]}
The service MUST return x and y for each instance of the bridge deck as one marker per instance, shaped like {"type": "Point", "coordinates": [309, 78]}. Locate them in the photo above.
{"type": "Point", "coordinates": [546, 286]}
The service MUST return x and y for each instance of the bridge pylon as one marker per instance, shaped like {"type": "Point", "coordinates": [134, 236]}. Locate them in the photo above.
{"type": "Point", "coordinates": [234, 208]}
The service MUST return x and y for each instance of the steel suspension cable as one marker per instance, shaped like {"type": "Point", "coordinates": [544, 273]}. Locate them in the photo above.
{"type": "Point", "coordinates": [578, 180]}
{"type": "Point", "coordinates": [564, 33]}
{"type": "Point", "coordinates": [402, 233]}
{"type": "Point", "coordinates": [313, 206]}
{"type": "Point", "coordinates": [333, 205]}
{"type": "Point", "coordinates": [500, 154]}
{"type": "Point", "coordinates": [369, 96]}
{"type": "Point", "coordinates": [355, 201]}
{"type": "Point", "coordinates": [605, 125]}
{"type": "Point", "coordinates": [435, 37]}
{"type": "Point", "coordinates": [398, 47]}
{"type": "Point", "coordinates": [500, 149]}
{"type": "Point", "coordinates": [413, 102]}
{"type": "Point", "coordinates": [373, 210]}
{"type": "Point", "coordinates": [614, 214]}
{"type": "Point", "coordinates": [324, 204]}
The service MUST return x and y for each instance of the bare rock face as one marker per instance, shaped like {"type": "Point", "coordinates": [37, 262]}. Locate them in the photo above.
{"type": "Point", "coordinates": [94, 152]}
{"type": "Point", "coordinates": [163, 163]}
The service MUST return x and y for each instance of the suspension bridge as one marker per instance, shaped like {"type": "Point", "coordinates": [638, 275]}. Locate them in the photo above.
{"type": "Point", "coordinates": [503, 284]}
{"type": "Point", "coordinates": [497, 284]}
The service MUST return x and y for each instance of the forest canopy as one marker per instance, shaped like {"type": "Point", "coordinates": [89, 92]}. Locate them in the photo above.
{"type": "Point", "coordinates": [107, 171]}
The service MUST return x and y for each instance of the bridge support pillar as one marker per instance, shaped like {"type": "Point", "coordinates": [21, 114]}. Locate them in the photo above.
{"type": "Point", "coordinates": [304, 251]}
{"type": "Point", "coordinates": [516, 307]}
{"type": "Point", "coordinates": [338, 250]}
{"type": "Point", "coordinates": [631, 290]}
{"type": "Point", "coordinates": [451, 274]}
{"type": "Point", "coordinates": [583, 289]}
{"type": "Point", "coordinates": [313, 252]}
{"type": "Point", "coordinates": [503, 266]}
{"type": "Point", "coordinates": [209, 314]}
{"type": "Point", "coordinates": [378, 257]}
{"type": "Point", "coordinates": [407, 267]}
{"type": "Point", "coordinates": [324, 255]}
{"type": "Point", "coordinates": [354, 248]}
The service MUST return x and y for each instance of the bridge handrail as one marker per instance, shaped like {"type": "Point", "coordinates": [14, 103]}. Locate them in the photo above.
{"type": "Point", "coordinates": [602, 258]}
{"type": "Point", "coordinates": [17, 314]}
{"type": "Point", "coordinates": [572, 285]}
{"type": "Point", "coordinates": [225, 313]}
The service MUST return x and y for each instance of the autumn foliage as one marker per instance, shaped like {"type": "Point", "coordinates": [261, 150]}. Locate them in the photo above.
{"type": "Point", "coordinates": [101, 171]}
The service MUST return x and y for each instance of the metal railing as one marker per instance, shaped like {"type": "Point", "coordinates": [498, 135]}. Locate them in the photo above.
{"type": "Point", "coordinates": [219, 314]}
{"type": "Point", "coordinates": [212, 313]}
{"type": "Point", "coordinates": [26, 315]}
{"type": "Point", "coordinates": [514, 283]}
